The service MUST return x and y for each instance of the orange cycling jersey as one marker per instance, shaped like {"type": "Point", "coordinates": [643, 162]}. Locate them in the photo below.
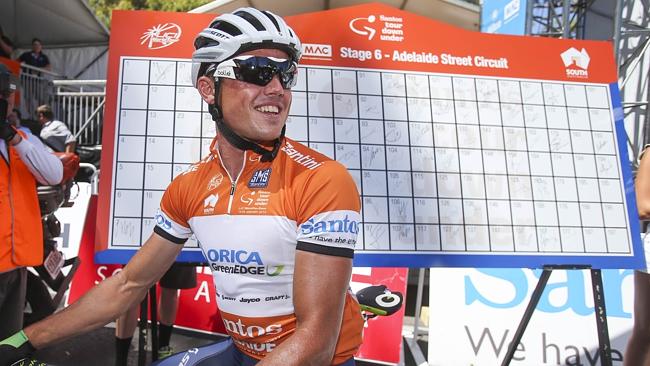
{"type": "Point", "coordinates": [249, 228]}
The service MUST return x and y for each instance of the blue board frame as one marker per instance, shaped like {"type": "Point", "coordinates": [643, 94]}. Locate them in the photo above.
{"type": "Point", "coordinates": [428, 259]}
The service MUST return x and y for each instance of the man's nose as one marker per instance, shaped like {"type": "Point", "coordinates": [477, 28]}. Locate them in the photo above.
{"type": "Point", "coordinates": [274, 87]}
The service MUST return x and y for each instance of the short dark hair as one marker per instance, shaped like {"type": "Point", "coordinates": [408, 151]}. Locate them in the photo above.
{"type": "Point", "coordinates": [18, 114]}
{"type": "Point", "coordinates": [36, 40]}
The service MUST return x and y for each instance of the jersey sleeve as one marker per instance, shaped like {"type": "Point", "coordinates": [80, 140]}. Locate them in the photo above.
{"type": "Point", "coordinates": [172, 217]}
{"type": "Point", "coordinates": [328, 212]}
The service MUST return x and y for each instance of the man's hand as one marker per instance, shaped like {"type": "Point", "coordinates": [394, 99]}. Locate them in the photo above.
{"type": "Point", "coordinates": [7, 131]}
{"type": "Point", "coordinates": [15, 348]}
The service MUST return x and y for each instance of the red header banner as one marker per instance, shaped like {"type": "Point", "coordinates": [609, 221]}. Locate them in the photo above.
{"type": "Point", "coordinates": [366, 36]}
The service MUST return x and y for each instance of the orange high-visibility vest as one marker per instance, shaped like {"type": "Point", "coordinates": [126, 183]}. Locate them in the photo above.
{"type": "Point", "coordinates": [21, 231]}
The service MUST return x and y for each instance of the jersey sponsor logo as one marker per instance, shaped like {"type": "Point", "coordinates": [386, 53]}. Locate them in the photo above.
{"type": "Point", "coordinates": [163, 221]}
{"type": "Point", "coordinates": [209, 203]}
{"type": "Point", "coordinates": [260, 178]}
{"type": "Point", "coordinates": [215, 182]}
{"type": "Point", "coordinates": [251, 331]}
{"type": "Point", "coordinates": [241, 262]}
{"type": "Point", "coordinates": [345, 225]}
{"type": "Point", "coordinates": [305, 160]}
{"type": "Point", "coordinates": [254, 202]}
{"type": "Point", "coordinates": [234, 256]}
{"type": "Point", "coordinates": [161, 36]}
{"type": "Point", "coordinates": [254, 347]}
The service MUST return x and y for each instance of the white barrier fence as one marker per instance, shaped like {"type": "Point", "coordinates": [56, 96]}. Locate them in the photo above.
{"type": "Point", "coordinates": [78, 103]}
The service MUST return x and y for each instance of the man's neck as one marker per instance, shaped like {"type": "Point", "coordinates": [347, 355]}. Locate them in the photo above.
{"type": "Point", "coordinates": [232, 158]}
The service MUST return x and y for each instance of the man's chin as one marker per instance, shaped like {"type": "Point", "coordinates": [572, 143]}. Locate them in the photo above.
{"type": "Point", "coordinates": [267, 140]}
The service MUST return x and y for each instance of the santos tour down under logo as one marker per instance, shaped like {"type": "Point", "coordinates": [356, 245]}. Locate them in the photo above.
{"type": "Point", "coordinates": [161, 36]}
{"type": "Point", "coordinates": [389, 28]}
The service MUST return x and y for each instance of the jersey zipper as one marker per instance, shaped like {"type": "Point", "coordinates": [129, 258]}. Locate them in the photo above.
{"type": "Point", "coordinates": [233, 183]}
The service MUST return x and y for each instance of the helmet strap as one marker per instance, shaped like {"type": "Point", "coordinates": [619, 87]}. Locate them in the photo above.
{"type": "Point", "coordinates": [236, 140]}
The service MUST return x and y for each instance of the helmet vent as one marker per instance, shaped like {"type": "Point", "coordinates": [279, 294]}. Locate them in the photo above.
{"type": "Point", "coordinates": [275, 22]}
{"type": "Point", "coordinates": [251, 19]}
{"type": "Point", "coordinates": [226, 28]}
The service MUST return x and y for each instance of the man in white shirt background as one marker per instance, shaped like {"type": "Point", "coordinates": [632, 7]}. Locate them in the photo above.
{"type": "Point", "coordinates": [54, 133]}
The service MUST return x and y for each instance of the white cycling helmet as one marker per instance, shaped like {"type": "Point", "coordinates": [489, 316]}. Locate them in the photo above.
{"type": "Point", "coordinates": [243, 30]}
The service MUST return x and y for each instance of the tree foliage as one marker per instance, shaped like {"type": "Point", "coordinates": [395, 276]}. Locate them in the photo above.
{"type": "Point", "coordinates": [103, 8]}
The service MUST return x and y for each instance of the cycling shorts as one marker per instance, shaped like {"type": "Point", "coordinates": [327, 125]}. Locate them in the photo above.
{"type": "Point", "coordinates": [223, 353]}
{"type": "Point", "coordinates": [179, 276]}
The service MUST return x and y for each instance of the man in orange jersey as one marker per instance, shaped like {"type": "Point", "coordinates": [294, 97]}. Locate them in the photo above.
{"type": "Point", "coordinates": [276, 220]}
{"type": "Point", "coordinates": [24, 161]}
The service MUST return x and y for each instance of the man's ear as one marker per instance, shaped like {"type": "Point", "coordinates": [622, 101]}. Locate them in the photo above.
{"type": "Point", "coordinates": [205, 86]}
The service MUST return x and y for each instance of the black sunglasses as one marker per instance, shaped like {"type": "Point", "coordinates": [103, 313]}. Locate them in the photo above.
{"type": "Point", "coordinates": [258, 70]}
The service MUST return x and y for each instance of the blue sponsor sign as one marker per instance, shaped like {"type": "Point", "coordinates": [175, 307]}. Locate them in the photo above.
{"type": "Point", "coordinates": [503, 16]}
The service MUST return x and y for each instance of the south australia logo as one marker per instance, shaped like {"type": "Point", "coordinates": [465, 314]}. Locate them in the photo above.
{"type": "Point", "coordinates": [576, 62]}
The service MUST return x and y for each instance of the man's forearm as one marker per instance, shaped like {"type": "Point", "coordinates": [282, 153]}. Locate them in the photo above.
{"type": "Point", "coordinates": [304, 347]}
{"type": "Point", "coordinates": [45, 167]}
{"type": "Point", "coordinates": [101, 305]}
{"type": "Point", "coordinates": [5, 47]}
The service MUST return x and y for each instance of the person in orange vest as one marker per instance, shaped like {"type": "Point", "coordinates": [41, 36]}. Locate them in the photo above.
{"type": "Point", "coordinates": [24, 161]}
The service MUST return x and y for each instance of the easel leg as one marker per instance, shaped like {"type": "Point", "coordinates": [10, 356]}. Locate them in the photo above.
{"type": "Point", "coordinates": [532, 304]}
{"type": "Point", "coordinates": [153, 304]}
{"type": "Point", "coordinates": [142, 329]}
{"type": "Point", "coordinates": [604, 348]}
{"type": "Point", "coordinates": [412, 343]}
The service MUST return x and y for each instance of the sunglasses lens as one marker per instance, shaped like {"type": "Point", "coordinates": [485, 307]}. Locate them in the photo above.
{"type": "Point", "coordinates": [261, 70]}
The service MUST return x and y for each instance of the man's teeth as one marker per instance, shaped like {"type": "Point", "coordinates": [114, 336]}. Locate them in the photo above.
{"type": "Point", "coordinates": [268, 109]}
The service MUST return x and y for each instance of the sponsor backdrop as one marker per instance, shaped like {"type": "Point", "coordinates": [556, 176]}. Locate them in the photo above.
{"type": "Point", "coordinates": [487, 305]}
{"type": "Point", "coordinates": [468, 149]}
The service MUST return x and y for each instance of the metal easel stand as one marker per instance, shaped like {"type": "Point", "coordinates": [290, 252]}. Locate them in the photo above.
{"type": "Point", "coordinates": [412, 342]}
{"type": "Point", "coordinates": [151, 300]}
{"type": "Point", "coordinates": [605, 350]}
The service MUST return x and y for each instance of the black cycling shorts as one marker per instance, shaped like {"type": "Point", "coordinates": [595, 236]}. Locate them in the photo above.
{"type": "Point", "coordinates": [179, 276]}
{"type": "Point", "coordinates": [222, 353]}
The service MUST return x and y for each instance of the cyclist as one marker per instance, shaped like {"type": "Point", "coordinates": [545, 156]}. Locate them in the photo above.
{"type": "Point", "coordinates": [277, 221]}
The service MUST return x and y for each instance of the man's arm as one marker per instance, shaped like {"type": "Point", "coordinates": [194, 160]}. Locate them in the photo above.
{"type": "Point", "coordinates": [48, 65]}
{"type": "Point", "coordinates": [642, 187]}
{"type": "Point", "coordinates": [70, 147]}
{"type": "Point", "coordinates": [7, 47]}
{"type": "Point", "coordinates": [44, 166]}
{"type": "Point", "coordinates": [105, 302]}
{"type": "Point", "coordinates": [319, 288]}
{"type": "Point", "coordinates": [70, 140]}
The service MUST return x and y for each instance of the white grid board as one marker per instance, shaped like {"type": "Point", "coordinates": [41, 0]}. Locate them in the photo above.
{"type": "Point", "coordinates": [444, 163]}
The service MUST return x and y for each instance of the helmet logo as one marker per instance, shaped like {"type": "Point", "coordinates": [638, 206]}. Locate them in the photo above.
{"type": "Point", "coordinates": [161, 36]}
